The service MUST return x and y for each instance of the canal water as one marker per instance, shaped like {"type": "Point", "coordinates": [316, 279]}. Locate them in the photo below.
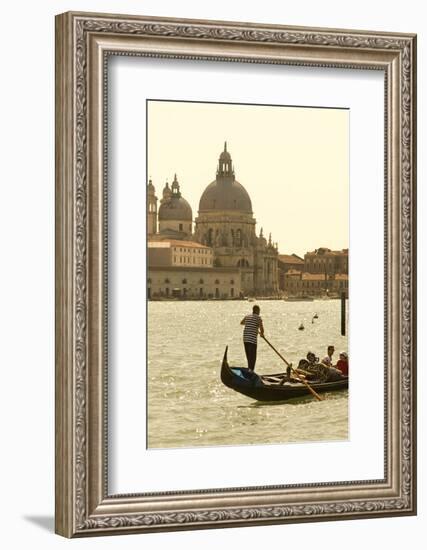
{"type": "Point", "coordinates": [188, 406]}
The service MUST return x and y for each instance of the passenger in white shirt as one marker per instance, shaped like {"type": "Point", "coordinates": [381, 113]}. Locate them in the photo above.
{"type": "Point", "coordinates": [328, 359]}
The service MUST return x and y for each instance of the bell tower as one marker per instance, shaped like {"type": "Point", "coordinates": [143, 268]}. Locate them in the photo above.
{"type": "Point", "coordinates": [151, 209]}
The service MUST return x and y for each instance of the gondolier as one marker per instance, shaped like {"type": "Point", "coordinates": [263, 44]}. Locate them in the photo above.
{"type": "Point", "coordinates": [253, 325]}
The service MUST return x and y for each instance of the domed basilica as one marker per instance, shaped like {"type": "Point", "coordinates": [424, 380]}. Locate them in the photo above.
{"type": "Point", "coordinates": [225, 224]}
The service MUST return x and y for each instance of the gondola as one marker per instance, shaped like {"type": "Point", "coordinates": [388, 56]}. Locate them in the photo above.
{"type": "Point", "coordinates": [271, 387]}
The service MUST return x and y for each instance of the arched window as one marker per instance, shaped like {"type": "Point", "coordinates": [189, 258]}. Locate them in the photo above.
{"type": "Point", "coordinates": [184, 281]}
{"type": "Point", "coordinates": [167, 281]}
{"type": "Point", "coordinates": [232, 282]}
{"type": "Point", "coordinates": [217, 281]}
{"type": "Point", "coordinates": [201, 281]}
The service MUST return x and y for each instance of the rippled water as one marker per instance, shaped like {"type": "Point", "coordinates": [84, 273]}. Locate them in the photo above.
{"type": "Point", "coordinates": [189, 406]}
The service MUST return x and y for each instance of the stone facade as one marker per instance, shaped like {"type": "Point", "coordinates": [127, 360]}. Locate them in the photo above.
{"type": "Point", "coordinates": [324, 260]}
{"type": "Point", "coordinates": [193, 283]}
{"type": "Point", "coordinates": [285, 263]}
{"type": "Point", "coordinates": [179, 254]}
{"type": "Point", "coordinates": [298, 283]}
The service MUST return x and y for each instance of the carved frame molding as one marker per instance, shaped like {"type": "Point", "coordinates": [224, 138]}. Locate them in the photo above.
{"type": "Point", "coordinates": [83, 44]}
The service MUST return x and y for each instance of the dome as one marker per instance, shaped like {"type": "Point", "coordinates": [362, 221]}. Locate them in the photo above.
{"type": "Point", "coordinates": [225, 155]}
{"type": "Point", "coordinates": [225, 195]}
{"type": "Point", "coordinates": [176, 208]}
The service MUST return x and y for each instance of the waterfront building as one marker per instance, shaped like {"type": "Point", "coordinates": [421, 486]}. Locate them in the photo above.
{"type": "Point", "coordinates": [179, 254]}
{"type": "Point", "coordinates": [285, 262]}
{"type": "Point", "coordinates": [299, 283]}
{"type": "Point", "coordinates": [340, 283]}
{"type": "Point", "coordinates": [196, 283]}
{"type": "Point", "coordinates": [324, 260]}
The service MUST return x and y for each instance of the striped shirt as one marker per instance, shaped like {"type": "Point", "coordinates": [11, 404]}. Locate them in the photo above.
{"type": "Point", "coordinates": [252, 324]}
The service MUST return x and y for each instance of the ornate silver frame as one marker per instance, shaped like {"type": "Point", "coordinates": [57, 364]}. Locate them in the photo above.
{"type": "Point", "coordinates": [83, 505]}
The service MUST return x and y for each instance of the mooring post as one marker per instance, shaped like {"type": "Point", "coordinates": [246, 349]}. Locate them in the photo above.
{"type": "Point", "coordinates": [342, 313]}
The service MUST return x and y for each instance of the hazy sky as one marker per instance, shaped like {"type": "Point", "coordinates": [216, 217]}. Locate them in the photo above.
{"type": "Point", "coordinates": [293, 162]}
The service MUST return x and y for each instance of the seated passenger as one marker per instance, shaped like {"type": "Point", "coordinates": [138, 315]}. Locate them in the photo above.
{"type": "Point", "coordinates": [311, 358]}
{"type": "Point", "coordinates": [327, 360]}
{"type": "Point", "coordinates": [333, 374]}
{"type": "Point", "coordinates": [305, 364]}
{"type": "Point", "coordinates": [342, 364]}
{"type": "Point", "coordinates": [323, 371]}
{"type": "Point", "coordinates": [312, 368]}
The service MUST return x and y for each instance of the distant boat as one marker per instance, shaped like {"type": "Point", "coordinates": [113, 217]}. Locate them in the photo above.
{"type": "Point", "coordinates": [315, 316]}
{"type": "Point", "coordinates": [272, 387]}
{"type": "Point", "coordinates": [299, 299]}
{"type": "Point", "coordinates": [301, 327]}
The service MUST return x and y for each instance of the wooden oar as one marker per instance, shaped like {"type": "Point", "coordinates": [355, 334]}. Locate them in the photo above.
{"type": "Point", "coordinates": [316, 395]}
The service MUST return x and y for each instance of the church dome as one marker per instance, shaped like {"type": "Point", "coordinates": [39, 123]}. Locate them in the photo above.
{"type": "Point", "coordinates": [225, 193]}
{"type": "Point", "coordinates": [175, 207]}
{"type": "Point", "coordinates": [220, 195]}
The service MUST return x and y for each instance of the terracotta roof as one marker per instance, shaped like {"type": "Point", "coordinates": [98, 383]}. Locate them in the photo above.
{"type": "Point", "coordinates": [327, 252]}
{"type": "Point", "coordinates": [313, 276]}
{"type": "Point", "coordinates": [290, 259]}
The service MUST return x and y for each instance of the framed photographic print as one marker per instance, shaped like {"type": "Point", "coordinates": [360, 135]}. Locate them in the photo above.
{"type": "Point", "coordinates": [235, 221]}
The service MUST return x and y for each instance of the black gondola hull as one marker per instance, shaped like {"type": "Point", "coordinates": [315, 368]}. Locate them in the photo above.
{"type": "Point", "coordinates": [253, 386]}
